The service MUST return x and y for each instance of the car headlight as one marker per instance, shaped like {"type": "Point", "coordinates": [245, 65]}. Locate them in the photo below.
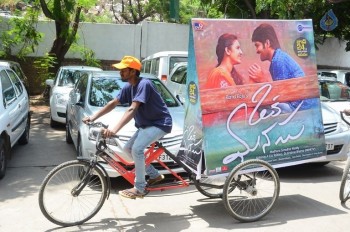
{"type": "Point", "coordinates": [93, 133]}
{"type": "Point", "coordinates": [61, 99]}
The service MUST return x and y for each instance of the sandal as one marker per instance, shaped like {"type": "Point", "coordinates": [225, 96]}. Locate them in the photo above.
{"type": "Point", "coordinates": [132, 193]}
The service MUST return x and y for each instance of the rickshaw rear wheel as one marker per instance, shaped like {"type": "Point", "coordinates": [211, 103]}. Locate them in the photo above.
{"type": "Point", "coordinates": [251, 190]}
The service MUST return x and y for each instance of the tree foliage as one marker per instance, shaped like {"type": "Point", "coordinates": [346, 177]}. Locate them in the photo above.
{"type": "Point", "coordinates": [66, 15]}
{"type": "Point", "coordinates": [311, 9]}
{"type": "Point", "coordinates": [291, 9]}
{"type": "Point", "coordinates": [21, 36]}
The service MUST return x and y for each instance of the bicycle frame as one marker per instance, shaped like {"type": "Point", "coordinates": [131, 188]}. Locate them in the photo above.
{"type": "Point", "coordinates": [153, 153]}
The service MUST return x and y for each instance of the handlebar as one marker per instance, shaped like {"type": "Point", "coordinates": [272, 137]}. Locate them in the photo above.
{"type": "Point", "coordinates": [96, 128]}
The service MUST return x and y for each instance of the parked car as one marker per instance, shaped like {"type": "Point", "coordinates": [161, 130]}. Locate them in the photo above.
{"type": "Point", "coordinates": [334, 93]}
{"type": "Point", "coordinates": [59, 91]}
{"type": "Point", "coordinates": [340, 75]}
{"type": "Point", "coordinates": [161, 64]}
{"type": "Point", "coordinates": [96, 89]}
{"type": "Point", "coordinates": [14, 116]}
{"type": "Point", "coordinates": [337, 135]}
{"type": "Point", "coordinates": [16, 67]}
{"type": "Point", "coordinates": [177, 81]}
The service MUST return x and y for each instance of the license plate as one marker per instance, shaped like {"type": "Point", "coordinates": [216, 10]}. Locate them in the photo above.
{"type": "Point", "coordinates": [329, 146]}
{"type": "Point", "coordinates": [165, 158]}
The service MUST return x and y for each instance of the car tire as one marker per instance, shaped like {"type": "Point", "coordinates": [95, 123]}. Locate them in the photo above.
{"type": "Point", "coordinates": [53, 123]}
{"type": "Point", "coordinates": [24, 139]}
{"type": "Point", "coordinates": [3, 158]}
{"type": "Point", "coordinates": [69, 139]}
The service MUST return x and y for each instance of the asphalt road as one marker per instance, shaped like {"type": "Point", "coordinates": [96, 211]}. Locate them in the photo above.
{"type": "Point", "coordinates": [308, 200]}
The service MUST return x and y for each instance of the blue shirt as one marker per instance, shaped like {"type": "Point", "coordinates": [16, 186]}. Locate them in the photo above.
{"type": "Point", "coordinates": [152, 110]}
{"type": "Point", "coordinates": [285, 67]}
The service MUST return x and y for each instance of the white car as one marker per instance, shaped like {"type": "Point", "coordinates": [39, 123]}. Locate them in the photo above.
{"type": "Point", "coordinates": [161, 64]}
{"type": "Point", "coordinates": [14, 116]}
{"type": "Point", "coordinates": [59, 91]}
{"type": "Point", "coordinates": [337, 135]}
{"type": "Point", "coordinates": [96, 89]}
{"type": "Point", "coordinates": [177, 81]}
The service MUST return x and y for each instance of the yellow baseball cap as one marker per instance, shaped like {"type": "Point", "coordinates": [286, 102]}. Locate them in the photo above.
{"type": "Point", "coordinates": [128, 62]}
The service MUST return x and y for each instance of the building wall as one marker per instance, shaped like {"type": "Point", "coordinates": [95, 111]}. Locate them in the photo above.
{"type": "Point", "coordinates": [332, 55]}
{"type": "Point", "coordinates": [111, 42]}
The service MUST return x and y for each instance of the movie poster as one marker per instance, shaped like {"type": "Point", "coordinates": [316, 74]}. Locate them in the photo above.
{"type": "Point", "coordinates": [252, 93]}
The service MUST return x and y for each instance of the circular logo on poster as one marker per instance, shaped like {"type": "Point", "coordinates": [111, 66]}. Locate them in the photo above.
{"type": "Point", "coordinates": [302, 47]}
{"type": "Point", "coordinates": [192, 92]}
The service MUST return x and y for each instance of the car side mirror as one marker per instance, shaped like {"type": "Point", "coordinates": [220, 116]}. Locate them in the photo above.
{"type": "Point", "coordinates": [76, 97]}
{"type": "Point", "coordinates": [49, 82]}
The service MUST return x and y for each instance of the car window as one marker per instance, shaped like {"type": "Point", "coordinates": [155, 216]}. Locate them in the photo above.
{"type": "Point", "coordinates": [175, 60]}
{"type": "Point", "coordinates": [334, 90]}
{"type": "Point", "coordinates": [66, 78]}
{"type": "Point", "coordinates": [146, 66]}
{"type": "Point", "coordinates": [179, 76]}
{"type": "Point", "coordinates": [16, 82]}
{"type": "Point", "coordinates": [18, 71]}
{"type": "Point", "coordinates": [166, 95]}
{"type": "Point", "coordinates": [104, 90]}
{"type": "Point", "coordinates": [81, 87]}
{"type": "Point", "coordinates": [155, 67]}
{"type": "Point", "coordinates": [8, 91]}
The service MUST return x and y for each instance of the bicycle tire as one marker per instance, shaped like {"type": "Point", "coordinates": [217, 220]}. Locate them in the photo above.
{"type": "Point", "coordinates": [58, 204]}
{"type": "Point", "coordinates": [345, 183]}
{"type": "Point", "coordinates": [251, 178]}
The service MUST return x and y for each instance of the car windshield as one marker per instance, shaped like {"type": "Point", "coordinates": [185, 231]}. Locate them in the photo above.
{"type": "Point", "coordinates": [104, 89]}
{"type": "Point", "coordinates": [333, 91]}
{"type": "Point", "coordinates": [68, 77]}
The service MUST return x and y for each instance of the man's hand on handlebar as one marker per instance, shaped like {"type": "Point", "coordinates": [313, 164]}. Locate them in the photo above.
{"type": "Point", "coordinates": [107, 133]}
{"type": "Point", "coordinates": [87, 120]}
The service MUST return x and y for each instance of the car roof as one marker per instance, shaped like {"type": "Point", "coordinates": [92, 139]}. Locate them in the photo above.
{"type": "Point", "coordinates": [167, 53]}
{"type": "Point", "coordinates": [79, 67]}
{"type": "Point", "coordinates": [7, 62]}
{"type": "Point", "coordinates": [117, 73]}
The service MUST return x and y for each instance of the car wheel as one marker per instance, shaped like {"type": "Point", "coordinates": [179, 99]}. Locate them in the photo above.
{"type": "Point", "coordinates": [53, 123]}
{"type": "Point", "coordinates": [24, 139]}
{"type": "Point", "coordinates": [68, 135]}
{"type": "Point", "coordinates": [3, 157]}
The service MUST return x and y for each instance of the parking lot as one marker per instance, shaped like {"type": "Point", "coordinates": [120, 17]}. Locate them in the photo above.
{"type": "Point", "coordinates": [308, 199]}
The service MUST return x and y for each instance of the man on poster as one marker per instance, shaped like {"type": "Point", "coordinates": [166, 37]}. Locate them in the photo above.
{"type": "Point", "coordinates": [282, 66]}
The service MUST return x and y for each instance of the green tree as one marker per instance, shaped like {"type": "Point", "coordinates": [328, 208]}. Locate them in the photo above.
{"type": "Point", "coordinates": [291, 9]}
{"type": "Point", "coordinates": [312, 9]}
{"type": "Point", "coordinates": [20, 35]}
{"type": "Point", "coordinates": [66, 15]}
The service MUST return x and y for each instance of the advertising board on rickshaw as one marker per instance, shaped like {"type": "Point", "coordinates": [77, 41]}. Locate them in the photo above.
{"type": "Point", "coordinates": [252, 93]}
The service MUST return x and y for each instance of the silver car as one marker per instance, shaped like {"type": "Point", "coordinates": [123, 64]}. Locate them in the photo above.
{"type": "Point", "coordinates": [59, 91]}
{"type": "Point", "coordinates": [94, 90]}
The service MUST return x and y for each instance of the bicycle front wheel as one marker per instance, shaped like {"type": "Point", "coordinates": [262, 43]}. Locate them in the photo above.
{"type": "Point", "coordinates": [251, 190]}
{"type": "Point", "coordinates": [345, 183]}
{"type": "Point", "coordinates": [59, 200]}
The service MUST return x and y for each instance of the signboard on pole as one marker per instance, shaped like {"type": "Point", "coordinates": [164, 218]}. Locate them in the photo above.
{"type": "Point", "coordinates": [252, 93]}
